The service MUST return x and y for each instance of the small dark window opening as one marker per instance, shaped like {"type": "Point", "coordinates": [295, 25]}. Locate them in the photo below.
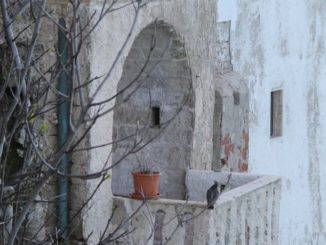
{"type": "Point", "coordinates": [236, 98]}
{"type": "Point", "coordinates": [276, 113]}
{"type": "Point", "coordinates": [156, 115]}
{"type": "Point", "coordinates": [158, 226]}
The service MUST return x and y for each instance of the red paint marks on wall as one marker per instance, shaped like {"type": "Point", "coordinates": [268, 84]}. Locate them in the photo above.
{"type": "Point", "coordinates": [227, 145]}
{"type": "Point", "coordinates": [243, 167]}
{"type": "Point", "coordinates": [237, 152]}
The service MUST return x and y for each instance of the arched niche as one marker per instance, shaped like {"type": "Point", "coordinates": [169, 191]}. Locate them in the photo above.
{"type": "Point", "coordinates": [155, 105]}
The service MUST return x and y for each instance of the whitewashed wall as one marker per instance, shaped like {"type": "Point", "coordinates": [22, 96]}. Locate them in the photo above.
{"type": "Point", "coordinates": [280, 44]}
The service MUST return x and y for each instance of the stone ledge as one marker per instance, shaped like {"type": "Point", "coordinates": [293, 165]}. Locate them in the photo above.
{"type": "Point", "coordinates": [244, 210]}
{"type": "Point", "coordinates": [198, 181]}
{"type": "Point", "coordinates": [163, 201]}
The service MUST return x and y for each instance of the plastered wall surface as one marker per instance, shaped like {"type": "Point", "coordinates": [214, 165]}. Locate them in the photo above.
{"type": "Point", "coordinates": [281, 45]}
{"type": "Point", "coordinates": [195, 19]}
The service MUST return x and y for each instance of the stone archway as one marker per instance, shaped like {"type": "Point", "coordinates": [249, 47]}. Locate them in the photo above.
{"type": "Point", "coordinates": [147, 101]}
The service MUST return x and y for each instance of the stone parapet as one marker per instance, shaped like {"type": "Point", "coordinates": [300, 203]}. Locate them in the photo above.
{"type": "Point", "coordinates": [245, 214]}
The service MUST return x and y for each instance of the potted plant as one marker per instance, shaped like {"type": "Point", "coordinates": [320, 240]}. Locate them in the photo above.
{"type": "Point", "coordinates": [146, 182]}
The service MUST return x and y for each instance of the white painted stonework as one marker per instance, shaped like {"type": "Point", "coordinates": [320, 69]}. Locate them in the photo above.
{"type": "Point", "coordinates": [281, 45]}
{"type": "Point", "coordinates": [246, 214]}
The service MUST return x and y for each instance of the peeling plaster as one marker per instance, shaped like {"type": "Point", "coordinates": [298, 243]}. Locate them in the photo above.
{"type": "Point", "coordinates": [314, 165]}
{"type": "Point", "coordinates": [281, 44]}
{"type": "Point", "coordinates": [313, 121]}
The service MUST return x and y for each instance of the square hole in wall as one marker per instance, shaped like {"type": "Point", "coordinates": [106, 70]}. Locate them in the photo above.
{"type": "Point", "coordinates": [276, 113]}
{"type": "Point", "coordinates": [156, 116]}
{"type": "Point", "coordinates": [236, 98]}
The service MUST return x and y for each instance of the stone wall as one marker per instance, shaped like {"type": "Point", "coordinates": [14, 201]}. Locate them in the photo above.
{"type": "Point", "coordinates": [42, 218]}
{"type": "Point", "coordinates": [232, 122]}
{"type": "Point", "coordinates": [231, 109]}
{"type": "Point", "coordinates": [165, 85]}
{"type": "Point", "coordinates": [280, 45]}
{"type": "Point", "coordinates": [39, 221]}
{"type": "Point", "coordinates": [194, 23]}
{"type": "Point", "coordinates": [198, 64]}
{"type": "Point", "coordinates": [247, 214]}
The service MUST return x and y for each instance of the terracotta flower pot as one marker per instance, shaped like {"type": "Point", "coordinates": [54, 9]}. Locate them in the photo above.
{"type": "Point", "coordinates": [146, 185]}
